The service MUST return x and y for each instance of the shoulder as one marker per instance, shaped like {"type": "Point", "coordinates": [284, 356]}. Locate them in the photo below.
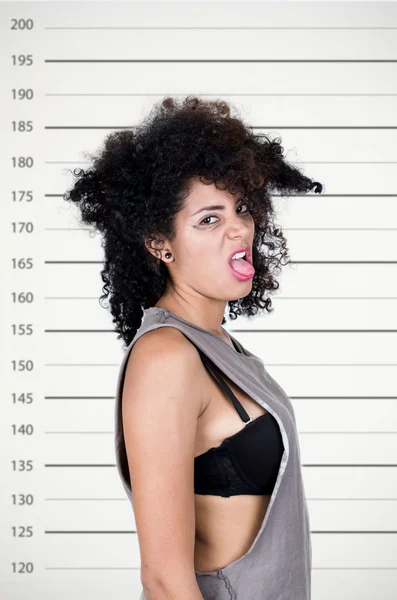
{"type": "Point", "coordinates": [165, 343]}
{"type": "Point", "coordinates": [164, 359]}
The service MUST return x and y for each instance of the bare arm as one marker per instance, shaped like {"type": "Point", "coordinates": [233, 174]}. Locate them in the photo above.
{"type": "Point", "coordinates": [161, 407]}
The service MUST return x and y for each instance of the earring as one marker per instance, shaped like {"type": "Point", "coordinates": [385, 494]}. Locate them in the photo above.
{"type": "Point", "coordinates": [168, 255]}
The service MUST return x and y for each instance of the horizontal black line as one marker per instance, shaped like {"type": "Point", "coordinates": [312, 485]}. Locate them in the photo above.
{"type": "Point", "coordinates": [317, 465]}
{"type": "Point", "coordinates": [132, 531]}
{"type": "Point", "coordinates": [363, 195]}
{"type": "Point", "coordinates": [291, 397]}
{"type": "Point", "coordinates": [350, 229]}
{"type": "Point", "coordinates": [223, 60]}
{"type": "Point", "coordinates": [82, 531]}
{"type": "Point", "coordinates": [78, 330]}
{"type": "Point", "coordinates": [343, 397]}
{"type": "Point", "coordinates": [300, 432]}
{"type": "Point", "coordinates": [269, 126]}
{"type": "Point", "coordinates": [226, 28]}
{"type": "Point", "coordinates": [125, 499]}
{"type": "Point", "coordinates": [309, 330]}
{"type": "Point", "coordinates": [236, 94]}
{"type": "Point", "coordinates": [317, 499]}
{"type": "Point", "coordinates": [81, 365]}
{"type": "Point", "coordinates": [244, 330]}
{"type": "Point", "coordinates": [335, 298]}
{"type": "Point", "coordinates": [294, 262]}
{"type": "Point", "coordinates": [365, 531]}
{"type": "Point", "coordinates": [267, 364]}
{"type": "Point", "coordinates": [92, 568]}
{"type": "Point", "coordinates": [138, 568]}
{"type": "Point", "coordinates": [326, 127]}
{"type": "Point", "coordinates": [74, 465]}
{"type": "Point", "coordinates": [79, 397]}
{"type": "Point", "coordinates": [300, 163]}
{"type": "Point", "coordinates": [349, 465]}
{"type": "Point", "coordinates": [284, 228]}
{"type": "Point", "coordinates": [278, 298]}
{"type": "Point", "coordinates": [98, 432]}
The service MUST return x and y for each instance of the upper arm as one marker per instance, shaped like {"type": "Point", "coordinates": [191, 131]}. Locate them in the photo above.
{"type": "Point", "coordinates": [160, 410]}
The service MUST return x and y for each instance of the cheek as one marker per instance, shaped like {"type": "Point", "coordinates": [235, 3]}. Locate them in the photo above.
{"type": "Point", "coordinates": [212, 267]}
{"type": "Point", "coordinates": [197, 251]}
{"type": "Point", "coordinates": [199, 263]}
{"type": "Point", "coordinates": [201, 255]}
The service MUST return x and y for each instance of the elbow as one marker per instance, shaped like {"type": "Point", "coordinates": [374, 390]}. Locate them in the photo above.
{"type": "Point", "coordinates": [171, 585]}
{"type": "Point", "coordinates": [154, 589]}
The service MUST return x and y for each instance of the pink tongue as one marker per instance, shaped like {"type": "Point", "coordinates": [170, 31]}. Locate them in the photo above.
{"type": "Point", "coordinates": [242, 266]}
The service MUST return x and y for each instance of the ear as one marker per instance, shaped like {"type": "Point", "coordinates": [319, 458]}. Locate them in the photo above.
{"type": "Point", "coordinates": [155, 247]}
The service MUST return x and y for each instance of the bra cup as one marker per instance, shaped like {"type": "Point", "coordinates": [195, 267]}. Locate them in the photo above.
{"type": "Point", "coordinates": [263, 441]}
{"type": "Point", "coordinates": [229, 469]}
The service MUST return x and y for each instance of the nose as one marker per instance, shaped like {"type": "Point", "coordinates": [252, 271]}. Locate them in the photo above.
{"type": "Point", "coordinates": [237, 227]}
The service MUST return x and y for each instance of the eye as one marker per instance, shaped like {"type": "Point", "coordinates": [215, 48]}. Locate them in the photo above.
{"type": "Point", "coordinates": [244, 205]}
{"type": "Point", "coordinates": [214, 216]}
{"type": "Point", "coordinates": [202, 222]}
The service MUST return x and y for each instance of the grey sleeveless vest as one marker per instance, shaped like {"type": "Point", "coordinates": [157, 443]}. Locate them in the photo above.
{"type": "Point", "coordinates": [277, 566]}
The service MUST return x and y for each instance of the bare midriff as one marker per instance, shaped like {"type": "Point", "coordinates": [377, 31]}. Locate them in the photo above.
{"type": "Point", "coordinates": [226, 528]}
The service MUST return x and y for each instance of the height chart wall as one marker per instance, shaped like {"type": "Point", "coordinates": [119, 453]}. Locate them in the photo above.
{"type": "Point", "coordinates": [323, 77]}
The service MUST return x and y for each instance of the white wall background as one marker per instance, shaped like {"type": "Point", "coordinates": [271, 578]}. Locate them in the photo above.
{"type": "Point", "coordinates": [321, 75]}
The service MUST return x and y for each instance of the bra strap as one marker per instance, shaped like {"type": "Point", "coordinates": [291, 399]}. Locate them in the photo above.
{"type": "Point", "coordinates": [236, 402]}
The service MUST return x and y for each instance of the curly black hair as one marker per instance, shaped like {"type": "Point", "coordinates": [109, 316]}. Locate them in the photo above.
{"type": "Point", "coordinates": [140, 179]}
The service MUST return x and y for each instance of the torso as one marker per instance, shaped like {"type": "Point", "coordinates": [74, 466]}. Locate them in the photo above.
{"type": "Point", "coordinates": [225, 527]}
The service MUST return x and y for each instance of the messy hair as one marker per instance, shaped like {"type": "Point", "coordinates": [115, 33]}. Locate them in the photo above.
{"type": "Point", "coordinates": [140, 180]}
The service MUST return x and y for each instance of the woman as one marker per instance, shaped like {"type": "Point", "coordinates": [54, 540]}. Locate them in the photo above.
{"type": "Point", "coordinates": [206, 440]}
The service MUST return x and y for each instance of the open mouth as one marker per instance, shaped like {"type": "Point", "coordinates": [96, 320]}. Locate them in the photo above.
{"type": "Point", "coordinates": [244, 252]}
{"type": "Point", "coordinates": [241, 264]}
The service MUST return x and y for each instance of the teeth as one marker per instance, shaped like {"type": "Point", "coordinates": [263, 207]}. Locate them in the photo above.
{"type": "Point", "coordinates": [238, 255]}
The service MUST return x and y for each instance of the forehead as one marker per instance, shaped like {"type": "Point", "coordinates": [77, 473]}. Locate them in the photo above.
{"type": "Point", "coordinates": [200, 194]}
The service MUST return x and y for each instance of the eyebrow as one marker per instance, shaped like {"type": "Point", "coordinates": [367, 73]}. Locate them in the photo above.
{"type": "Point", "coordinates": [213, 207]}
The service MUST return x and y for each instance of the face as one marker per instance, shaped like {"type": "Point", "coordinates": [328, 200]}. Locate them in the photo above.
{"type": "Point", "coordinates": [206, 238]}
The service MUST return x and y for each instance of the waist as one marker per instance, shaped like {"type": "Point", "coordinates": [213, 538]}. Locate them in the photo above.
{"type": "Point", "coordinates": [226, 528]}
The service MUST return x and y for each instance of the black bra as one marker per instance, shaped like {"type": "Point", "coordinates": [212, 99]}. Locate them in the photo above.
{"type": "Point", "coordinates": [247, 462]}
